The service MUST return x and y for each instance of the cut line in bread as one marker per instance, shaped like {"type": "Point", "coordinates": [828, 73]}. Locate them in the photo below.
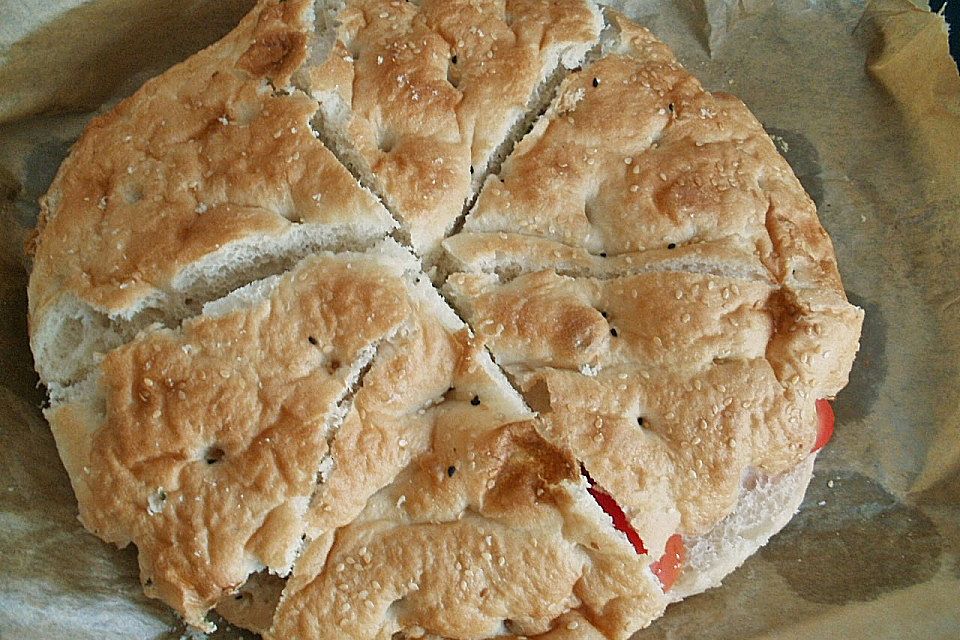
{"type": "Point", "coordinates": [508, 255]}
{"type": "Point", "coordinates": [206, 178]}
{"type": "Point", "coordinates": [418, 99]}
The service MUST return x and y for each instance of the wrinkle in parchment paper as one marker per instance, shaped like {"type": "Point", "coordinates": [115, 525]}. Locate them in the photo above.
{"type": "Point", "coordinates": [860, 98]}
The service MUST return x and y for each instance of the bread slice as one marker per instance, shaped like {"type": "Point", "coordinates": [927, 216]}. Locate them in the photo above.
{"type": "Point", "coordinates": [422, 99]}
{"type": "Point", "coordinates": [634, 158]}
{"type": "Point", "coordinates": [507, 543]}
{"type": "Point", "coordinates": [509, 255]}
{"type": "Point", "coordinates": [206, 178]}
{"type": "Point", "coordinates": [202, 445]}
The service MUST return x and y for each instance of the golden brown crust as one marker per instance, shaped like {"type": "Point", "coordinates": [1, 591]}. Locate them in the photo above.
{"type": "Point", "coordinates": [202, 446]}
{"type": "Point", "coordinates": [422, 94]}
{"type": "Point", "coordinates": [204, 155]}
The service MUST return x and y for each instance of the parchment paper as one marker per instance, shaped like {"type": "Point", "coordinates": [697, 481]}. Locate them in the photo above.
{"type": "Point", "coordinates": [864, 102]}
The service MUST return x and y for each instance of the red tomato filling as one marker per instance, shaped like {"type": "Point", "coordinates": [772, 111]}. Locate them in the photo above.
{"type": "Point", "coordinates": [620, 522]}
{"type": "Point", "coordinates": [824, 424]}
{"type": "Point", "coordinates": [667, 568]}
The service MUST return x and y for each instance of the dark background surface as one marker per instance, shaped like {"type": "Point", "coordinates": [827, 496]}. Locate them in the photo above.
{"type": "Point", "coordinates": [953, 19]}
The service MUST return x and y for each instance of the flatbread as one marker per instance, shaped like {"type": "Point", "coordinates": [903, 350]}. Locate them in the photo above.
{"type": "Point", "coordinates": [269, 397]}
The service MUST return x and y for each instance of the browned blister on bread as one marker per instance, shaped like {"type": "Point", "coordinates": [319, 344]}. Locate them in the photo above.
{"type": "Point", "coordinates": [419, 97]}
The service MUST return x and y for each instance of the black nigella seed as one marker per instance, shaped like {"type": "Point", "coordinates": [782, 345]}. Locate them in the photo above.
{"type": "Point", "coordinates": [640, 421]}
{"type": "Point", "coordinates": [450, 471]}
{"type": "Point", "coordinates": [476, 401]}
{"type": "Point", "coordinates": [471, 169]}
{"type": "Point", "coordinates": [670, 106]}
{"type": "Point", "coordinates": [613, 332]}
{"type": "Point", "coordinates": [596, 82]}
{"type": "Point", "coordinates": [672, 245]}
{"type": "Point", "coordinates": [312, 340]}
{"type": "Point", "coordinates": [239, 596]}
{"type": "Point", "coordinates": [454, 59]}
{"type": "Point", "coordinates": [603, 254]}
{"type": "Point", "coordinates": [604, 314]}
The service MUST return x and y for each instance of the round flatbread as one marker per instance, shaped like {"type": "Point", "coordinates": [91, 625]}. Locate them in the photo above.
{"type": "Point", "coordinates": [439, 319]}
